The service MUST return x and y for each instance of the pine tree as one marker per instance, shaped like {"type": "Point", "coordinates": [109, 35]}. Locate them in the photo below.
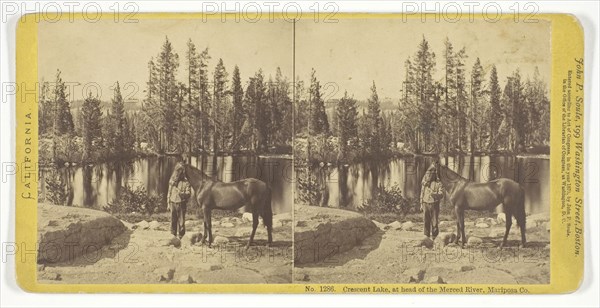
{"type": "Point", "coordinates": [192, 115]}
{"type": "Point", "coordinates": [319, 123]}
{"type": "Point", "coordinates": [151, 112]}
{"type": "Point", "coordinates": [219, 105]}
{"type": "Point", "coordinates": [272, 110]}
{"type": "Point", "coordinates": [193, 69]}
{"type": "Point", "coordinates": [538, 111]}
{"type": "Point", "coordinates": [182, 132]}
{"type": "Point", "coordinates": [387, 135]}
{"type": "Point", "coordinates": [301, 109]}
{"type": "Point", "coordinates": [461, 99]}
{"type": "Point", "coordinates": [475, 126]}
{"type": "Point", "coordinates": [45, 111]}
{"type": "Point", "coordinates": [541, 104]}
{"type": "Point", "coordinates": [63, 119]}
{"type": "Point", "coordinates": [347, 117]}
{"type": "Point", "coordinates": [256, 126]}
{"type": "Point", "coordinates": [449, 110]}
{"type": "Point", "coordinates": [281, 114]}
{"type": "Point", "coordinates": [203, 80]}
{"type": "Point", "coordinates": [116, 125]}
{"type": "Point", "coordinates": [408, 113]}
{"type": "Point", "coordinates": [167, 86]}
{"type": "Point", "coordinates": [286, 105]}
{"type": "Point", "coordinates": [238, 118]}
{"type": "Point", "coordinates": [127, 137]}
{"type": "Point", "coordinates": [374, 123]}
{"type": "Point", "coordinates": [495, 113]}
{"type": "Point", "coordinates": [91, 125]}
{"type": "Point", "coordinates": [364, 135]}
{"type": "Point", "coordinates": [132, 140]}
{"type": "Point", "coordinates": [424, 64]}
{"type": "Point", "coordinates": [515, 115]}
{"type": "Point", "coordinates": [161, 116]}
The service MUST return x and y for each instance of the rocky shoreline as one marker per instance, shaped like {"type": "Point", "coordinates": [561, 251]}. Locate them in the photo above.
{"type": "Point", "coordinates": [146, 252]}
{"type": "Point", "coordinates": [399, 253]}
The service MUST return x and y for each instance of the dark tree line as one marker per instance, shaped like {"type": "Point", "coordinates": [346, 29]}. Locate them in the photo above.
{"type": "Point", "coordinates": [466, 111]}
{"type": "Point", "coordinates": [345, 134]}
{"type": "Point", "coordinates": [469, 111]}
{"type": "Point", "coordinates": [90, 135]}
{"type": "Point", "coordinates": [211, 112]}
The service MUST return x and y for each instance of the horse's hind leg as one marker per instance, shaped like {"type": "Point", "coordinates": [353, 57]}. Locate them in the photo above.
{"type": "Point", "coordinates": [520, 217]}
{"type": "Point", "coordinates": [270, 232]}
{"type": "Point", "coordinates": [268, 218]}
{"type": "Point", "coordinates": [508, 216]}
{"type": "Point", "coordinates": [457, 225]}
{"type": "Point", "coordinates": [254, 226]}
{"type": "Point", "coordinates": [205, 233]}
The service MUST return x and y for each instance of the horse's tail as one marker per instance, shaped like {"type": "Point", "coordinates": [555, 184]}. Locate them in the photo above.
{"type": "Point", "coordinates": [267, 209]}
{"type": "Point", "coordinates": [519, 211]}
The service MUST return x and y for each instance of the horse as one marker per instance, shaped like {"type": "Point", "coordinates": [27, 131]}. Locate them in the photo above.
{"type": "Point", "coordinates": [212, 194]}
{"type": "Point", "coordinates": [466, 195]}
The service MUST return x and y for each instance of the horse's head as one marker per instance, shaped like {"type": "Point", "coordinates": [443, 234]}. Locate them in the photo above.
{"type": "Point", "coordinates": [430, 174]}
{"type": "Point", "coordinates": [178, 173]}
{"type": "Point", "coordinates": [437, 166]}
{"type": "Point", "coordinates": [434, 170]}
{"type": "Point", "coordinates": [445, 174]}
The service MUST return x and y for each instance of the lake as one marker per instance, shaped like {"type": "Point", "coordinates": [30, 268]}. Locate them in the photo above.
{"type": "Point", "coordinates": [97, 185]}
{"type": "Point", "coordinates": [349, 186]}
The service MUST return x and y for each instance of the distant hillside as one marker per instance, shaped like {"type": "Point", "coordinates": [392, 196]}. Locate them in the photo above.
{"type": "Point", "coordinates": [131, 105]}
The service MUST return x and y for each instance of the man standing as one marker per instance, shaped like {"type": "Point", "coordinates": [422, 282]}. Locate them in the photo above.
{"type": "Point", "coordinates": [431, 194]}
{"type": "Point", "coordinates": [179, 194]}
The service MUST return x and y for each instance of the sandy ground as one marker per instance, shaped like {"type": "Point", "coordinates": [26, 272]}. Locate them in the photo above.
{"type": "Point", "coordinates": [396, 256]}
{"type": "Point", "coordinates": [147, 254]}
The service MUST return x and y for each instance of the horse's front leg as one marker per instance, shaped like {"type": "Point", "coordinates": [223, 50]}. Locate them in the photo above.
{"type": "Point", "coordinates": [205, 233]}
{"type": "Point", "coordinates": [460, 225]}
{"type": "Point", "coordinates": [461, 213]}
{"type": "Point", "coordinates": [254, 226]}
{"type": "Point", "coordinates": [207, 225]}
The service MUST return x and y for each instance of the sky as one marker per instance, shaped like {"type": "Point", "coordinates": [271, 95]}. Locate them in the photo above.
{"type": "Point", "coordinates": [355, 52]}
{"type": "Point", "coordinates": [106, 52]}
{"type": "Point", "coordinates": [347, 56]}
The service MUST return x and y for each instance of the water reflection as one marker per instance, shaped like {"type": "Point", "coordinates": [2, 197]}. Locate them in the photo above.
{"type": "Point", "coordinates": [95, 186]}
{"type": "Point", "coordinates": [350, 185]}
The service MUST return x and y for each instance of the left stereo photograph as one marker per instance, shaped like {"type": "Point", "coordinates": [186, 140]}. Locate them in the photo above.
{"type": "Point", "coordinates": [165, 151]}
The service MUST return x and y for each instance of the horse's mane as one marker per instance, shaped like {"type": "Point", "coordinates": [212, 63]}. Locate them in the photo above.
{"type": "Point", "coordinates": [452, 172]}
{"type": "Point", "coordinates": [196, 172]}
{"type": "Point", "coordinates": [450, 178]}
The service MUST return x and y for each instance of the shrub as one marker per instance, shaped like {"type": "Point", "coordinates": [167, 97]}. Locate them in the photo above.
{"type": "Point", "coordinates": [136, 200]}
{"type": "Point", "coordinates": [56, 189]}
{"type": "Point", "coordinates": [390, 201]}
{"type": "Point", "coordinates": [323, 148]}
{"type": "Point", "coordinates": [309, 191]}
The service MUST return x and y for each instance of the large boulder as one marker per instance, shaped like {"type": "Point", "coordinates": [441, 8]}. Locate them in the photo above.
{"type": "Point", "coordinates": [247, 217]}
{"type": "Point", "coordinates": [396, 225]}
{"type": "Point", "coordinates": [66, 232]}
{"type": "Point", "coordinates": [323, 232]}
